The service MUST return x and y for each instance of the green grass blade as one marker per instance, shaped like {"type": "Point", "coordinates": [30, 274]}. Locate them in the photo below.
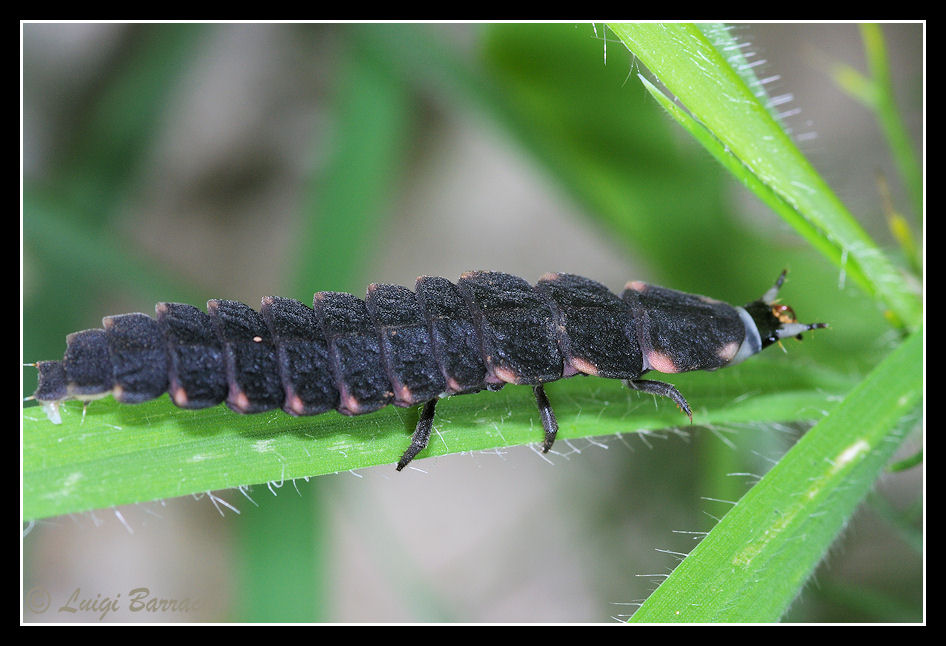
{"type": "Point", "coordinates": [764, 192]}
{"type": "Point", "coordinates": [875, 92]}
{"type": "Point", "coordinates": [755, 561]}
{"type": "Point", "coordinates": [891, 123]}
{"type": "Point", "coordinates": [348, 202]}
{"type": "Point", "coordinates": [123, 454]}
{"type": "Point", "coordinates": [695, 71]}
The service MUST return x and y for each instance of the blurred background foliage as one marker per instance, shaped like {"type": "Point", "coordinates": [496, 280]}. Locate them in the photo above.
{"type": "Point", "coordinates": [184, 162]}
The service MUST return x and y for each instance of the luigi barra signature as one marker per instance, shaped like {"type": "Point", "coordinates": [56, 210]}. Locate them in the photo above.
{"type": "Point", "coordinates": [137, 600]}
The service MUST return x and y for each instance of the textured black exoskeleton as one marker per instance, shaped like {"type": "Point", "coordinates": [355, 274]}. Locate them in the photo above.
{"type": "Point", "coordinates": [406, 348]}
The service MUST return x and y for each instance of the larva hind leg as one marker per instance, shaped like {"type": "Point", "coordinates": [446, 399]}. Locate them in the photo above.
{"type": "Point", "coordinates": [549, 423]}
{"type": "Point", "coordinates": [421, 435]}
{"type": "Point", "coordinates": [662, 389]}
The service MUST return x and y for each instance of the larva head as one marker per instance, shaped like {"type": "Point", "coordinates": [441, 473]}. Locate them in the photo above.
{"type": "Point", "coordinates": [775, 321]}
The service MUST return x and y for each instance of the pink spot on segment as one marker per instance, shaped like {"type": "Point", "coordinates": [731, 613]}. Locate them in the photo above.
{"type": "Point", "coordinates": [506, 375]}
{"type": "Point", "coordinates": [179, 395]}
{"type": "Point", "coordinates": [349, 405]}
{"type": "Point", "coordinates": [583, 366]}
{"type": "Point", "coordinates": [661, 362]}
{"type": "Point", "coordinates": [403, 395]}
{"type": "Point", "coordinates": [728, 351]}
{"type": "Point", "coordinates": [239, 400]}
{"type": "Point", "coordinates": [294, 404]}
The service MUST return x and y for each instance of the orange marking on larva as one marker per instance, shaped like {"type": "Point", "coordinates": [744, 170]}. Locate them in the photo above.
{"type": "Point", "coordinates": [637, 286]}
{"type": "Point", "coordinates": [505, 374]}
{"type": "Point", "coordinates": [728, 351]}
{"type": "Point", "coordinates": [403, 395]}
{"type": "Point", "coordinates": [257, 339]}
{"type": "Point", "coordinates": [661, 362]}
{"type": "Point", "coordinates": [551, 277]}
{"type": "Point", "coordinates": [179, 395]}
{"type": "Point", "coordinates": [350, 405]}
{"type": "Point", "coordinates": [453, 385]}
{"type": "Point", "coordinates": [583, 366]}
{"type": "Point", "coordinates": [268, 300]}
{"type": "Point", "coordinates": [240, 401]}
{"type": "Point", "coordinates": [294, 404]}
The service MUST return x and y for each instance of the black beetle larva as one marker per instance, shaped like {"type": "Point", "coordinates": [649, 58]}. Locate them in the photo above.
{"type": "Point", "coordinates": [406, 348]}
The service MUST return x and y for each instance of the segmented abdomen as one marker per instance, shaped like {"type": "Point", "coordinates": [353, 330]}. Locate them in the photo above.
{"type": "Point", "coordinates": [397, 346]}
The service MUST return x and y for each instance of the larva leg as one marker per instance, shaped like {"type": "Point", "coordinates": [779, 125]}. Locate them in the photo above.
{"type": "Point", "coordinates": [421, 434]}
{"type": "Point", "coordinates": [662, 389]}
{"type": "Point", "coordinates": [549, 423]}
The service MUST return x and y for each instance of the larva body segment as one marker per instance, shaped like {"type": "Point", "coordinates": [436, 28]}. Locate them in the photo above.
{"type": "Point", "coordinates": [408, 347]}
{"type": "Point", "coordinates": [302, 355]}
{"type": "Point", "coordinates": [197, 375]}
{"type": "Point", "coordinates": [516, 326]}
{"type": "Point", "coordinates": [674, 332]}
{"type": "Point", "coordinates": [138, 356]}
{"type": "Point", "coordinates": [455, 339]}
{"type": "Point", "coordinates": [354, 353]}
{"type": "Point", "coordinates": [87, 365]}
{"type": "Point", "coordinates": [252, 369]}
{"type": "Point", "coordinates": [594, 331]}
